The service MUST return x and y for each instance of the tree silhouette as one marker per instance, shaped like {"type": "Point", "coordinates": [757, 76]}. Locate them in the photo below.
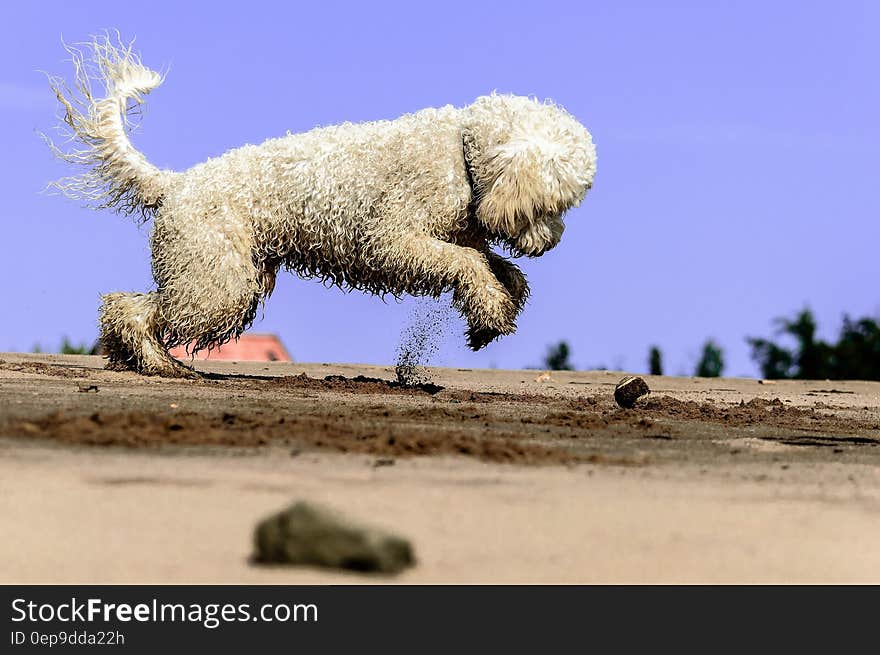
{"type": "Point", "coordinates": [711, 362]}
{"type": "Point", "coordinates": [556, 358]}
{"type": "Point", "coordinates": [655, 361]}
{"type": "Point", "coordinates": [67, 348]}
{"type": "Point", "coordinates": [855, 356]}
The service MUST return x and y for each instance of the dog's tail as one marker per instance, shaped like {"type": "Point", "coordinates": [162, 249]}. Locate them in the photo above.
{"type": "Point", "coordinates": [117, 175]}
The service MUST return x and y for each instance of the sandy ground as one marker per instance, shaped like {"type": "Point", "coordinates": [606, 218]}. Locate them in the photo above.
{"type": "Point", "coordinates": [496, 477]}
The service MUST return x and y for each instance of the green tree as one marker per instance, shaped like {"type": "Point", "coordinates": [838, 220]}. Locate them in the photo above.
{"type": "Point", "coordinates": [67, 348]}
{"type": "Point", "coordinates": [855, 356]}
{"type": "Point", "coordinates": [776, 363]}
{"type": "Point", "coordinates": [711, 362]}
{"type": "Point", "coordinates": [811, 359]}
{"type": "Point", "coordinates": [557, 356]}
{"type": "Point", "coordinates": [655, 361]}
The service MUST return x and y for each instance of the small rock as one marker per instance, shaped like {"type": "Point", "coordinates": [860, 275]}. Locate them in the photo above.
{"type": "Point", "coordinates": [85, 388]}
{"type": "Point", "coordinates": [383, 461]}
{"type": "Point", "coordinates": [312, 535]}
{"type": "Point", "coordinates": [629, 390]}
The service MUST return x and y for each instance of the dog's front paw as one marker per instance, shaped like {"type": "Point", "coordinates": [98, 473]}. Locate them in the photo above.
{"type": "Point", "coordinates": [480, 337]}
{"type": "Point", "coordinates": [481, 334]}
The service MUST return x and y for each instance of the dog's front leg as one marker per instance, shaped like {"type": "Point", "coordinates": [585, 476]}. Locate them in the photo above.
{"type": "Point", "coordinates": [513, 279]}
{"type": "Point", "coordinates": [436, 266]}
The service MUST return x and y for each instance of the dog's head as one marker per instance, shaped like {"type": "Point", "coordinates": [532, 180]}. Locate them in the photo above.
{"type": "Point", "coordinates": [529, 162]}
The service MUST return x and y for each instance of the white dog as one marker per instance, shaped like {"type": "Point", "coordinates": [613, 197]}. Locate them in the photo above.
{"type": "Point", "coordinates": [409, 206]}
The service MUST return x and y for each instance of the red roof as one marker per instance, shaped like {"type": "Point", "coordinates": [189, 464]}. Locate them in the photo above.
{"type": "Point", "coordinates": [251, 347]}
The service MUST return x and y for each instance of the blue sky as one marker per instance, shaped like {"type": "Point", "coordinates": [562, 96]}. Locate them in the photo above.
{"type": "Point", "coordinates": [736, 179]}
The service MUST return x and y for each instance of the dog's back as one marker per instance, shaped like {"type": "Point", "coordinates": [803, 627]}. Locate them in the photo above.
{"type": "Point", "coordinates": [321, 195]}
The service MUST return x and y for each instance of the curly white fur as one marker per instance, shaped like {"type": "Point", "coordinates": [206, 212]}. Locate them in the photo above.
{"type": "Point", "coordinates": [409, 206]}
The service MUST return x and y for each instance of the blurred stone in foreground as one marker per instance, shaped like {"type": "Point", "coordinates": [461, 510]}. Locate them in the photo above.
{"type": "Point", "coordinates": [311, 535]}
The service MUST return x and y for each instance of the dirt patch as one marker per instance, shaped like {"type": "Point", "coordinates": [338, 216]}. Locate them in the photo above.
{"type": "Point", "coordinates": [386, 419]}
{"type": "Point", "coordinates": [463, 396]}
{"type": "Point", "coordinates": [359, 385]}
{"type": "Point", "coordinates": [55, 370]}
{"type": "Point", "coordinates": [756, 411]}
{"type": "Point", "coordinates": [139, 429]}
{"type": "Point", "coordinates": [595, 421]}
{"type": "Point", "coordinates": [826, 442]}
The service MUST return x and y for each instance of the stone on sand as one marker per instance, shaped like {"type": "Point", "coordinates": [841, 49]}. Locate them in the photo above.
{"type": "Point", "coordinates": [313, 535]}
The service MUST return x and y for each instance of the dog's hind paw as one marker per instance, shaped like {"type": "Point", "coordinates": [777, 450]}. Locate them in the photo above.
{"type": "Point", "coordinates": [176, 370]}
{"type": "Point", "coordinates": [171, 368]}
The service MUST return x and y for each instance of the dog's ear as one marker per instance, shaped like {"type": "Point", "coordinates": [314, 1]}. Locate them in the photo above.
{"type": "Point", "coordinates": [518, 184]}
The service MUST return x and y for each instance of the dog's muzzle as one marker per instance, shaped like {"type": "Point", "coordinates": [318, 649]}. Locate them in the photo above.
{"type": "Point", "coordinates": [539, 237]}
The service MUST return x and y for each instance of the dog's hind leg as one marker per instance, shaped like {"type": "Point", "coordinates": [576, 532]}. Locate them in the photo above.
{"type": "Point", "coordinates": [131, 334]}
{"type": "Point", "coordinates": [433, 266]}
{"type": "Point", "coordinates": [209, 284]}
